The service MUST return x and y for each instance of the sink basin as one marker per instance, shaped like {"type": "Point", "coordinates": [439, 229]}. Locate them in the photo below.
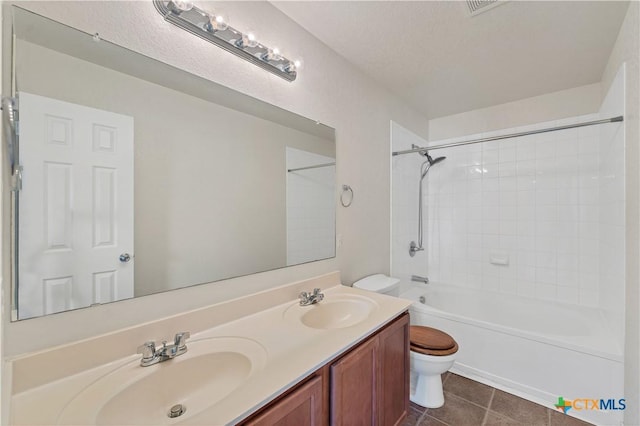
{"type": "Point", "coordinates": [333, 312]}
{"type": "Point", "coordinates": [209, 371]}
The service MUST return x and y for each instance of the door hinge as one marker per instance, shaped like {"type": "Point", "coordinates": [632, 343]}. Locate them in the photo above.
{"type": "Point", "coordinates": [16, 179]}
{"type": "Point", "coordinates": [10, 121]}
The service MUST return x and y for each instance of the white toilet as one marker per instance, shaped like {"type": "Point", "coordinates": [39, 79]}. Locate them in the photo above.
{"type": "Point", "coordinates": [433, 352]}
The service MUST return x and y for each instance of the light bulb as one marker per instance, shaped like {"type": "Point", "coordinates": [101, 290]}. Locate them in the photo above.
{"type": "Point", "coordinates": [218, 22]}
{"type": "Point", "coordinates": [247, 39]}
{"type": "Point", "coordinates": [293, 66]}
{"type": "Point", "coordinates": [271, 55]}
{"type": "Point", "coordinates": [179, 6]}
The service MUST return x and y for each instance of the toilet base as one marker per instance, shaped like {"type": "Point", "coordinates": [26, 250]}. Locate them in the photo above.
{"type": "Point", "coordinates": [428, 391]}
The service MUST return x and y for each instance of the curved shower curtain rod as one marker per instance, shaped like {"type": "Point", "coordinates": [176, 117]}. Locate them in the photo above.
{"type": "Point", "coordinates": [512, 135]}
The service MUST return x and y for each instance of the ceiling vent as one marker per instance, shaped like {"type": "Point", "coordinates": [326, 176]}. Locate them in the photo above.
{"type": "Point", "coordinates": [476, 7]}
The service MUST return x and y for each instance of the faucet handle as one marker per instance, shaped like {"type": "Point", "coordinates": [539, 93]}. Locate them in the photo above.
{"type": "Point", "coordinates": [317, 295]}
{"type": "Point", "coordinates": [148, 351]}
{"type": "Point", "coordinates": [180, 339]}
{"type": "Point", "coordinates": [304, 296]}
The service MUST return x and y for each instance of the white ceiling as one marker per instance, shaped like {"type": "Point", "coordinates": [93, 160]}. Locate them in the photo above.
{"type": "Point", "coordinates": [443, 61]}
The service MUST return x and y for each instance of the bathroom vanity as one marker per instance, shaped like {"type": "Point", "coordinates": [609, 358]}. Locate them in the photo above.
{"type": "Point", "coordinates": [369, 384]}
{"type": "Point", "coordinates": [257, 360]}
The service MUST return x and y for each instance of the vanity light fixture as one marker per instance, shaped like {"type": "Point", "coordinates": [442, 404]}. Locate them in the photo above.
{"type": "Point", "coordinates": [214, 27]}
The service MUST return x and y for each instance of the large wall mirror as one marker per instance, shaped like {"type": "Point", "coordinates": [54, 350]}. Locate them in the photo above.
{"type": "Point", "coordinates": [138, 177]}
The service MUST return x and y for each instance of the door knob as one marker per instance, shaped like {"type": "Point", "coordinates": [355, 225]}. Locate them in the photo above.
{"type": "Point", "coordinates": [125, 257]}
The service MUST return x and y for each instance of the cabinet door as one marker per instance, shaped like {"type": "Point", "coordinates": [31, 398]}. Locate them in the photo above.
{"type": "Point", "coordinates": [394, 372]}
{"type": "Point", "coordinates": [302, 407]}
{"type": "Point", "coordinates": [354, 387]}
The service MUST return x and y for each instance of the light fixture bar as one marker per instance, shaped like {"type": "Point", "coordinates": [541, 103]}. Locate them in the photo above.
{"type": "Point", "coordinates": [196, 21]}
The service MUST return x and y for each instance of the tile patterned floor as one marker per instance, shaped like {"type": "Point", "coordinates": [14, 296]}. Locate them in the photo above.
{"type": "Point", "coordinates": [469, 403]}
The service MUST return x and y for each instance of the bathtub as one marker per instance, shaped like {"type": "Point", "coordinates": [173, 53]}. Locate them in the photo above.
{"type": "Point", "coordinates": [535, 349]}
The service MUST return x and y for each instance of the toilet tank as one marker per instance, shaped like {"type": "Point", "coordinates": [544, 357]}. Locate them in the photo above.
{"type": "Point", "coordinates": [379, 283]}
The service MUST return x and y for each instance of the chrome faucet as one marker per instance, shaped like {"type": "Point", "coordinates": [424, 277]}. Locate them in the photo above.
{"type": "Point", "coordinates": [152, 355]}
{"type": "Point", "coordinates": [419, 279]}
{"type": "Point", "coordinates": [307, 299]}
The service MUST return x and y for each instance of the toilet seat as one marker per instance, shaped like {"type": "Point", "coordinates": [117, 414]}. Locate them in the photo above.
{"type": "Point", "coordinates": [431, 341]}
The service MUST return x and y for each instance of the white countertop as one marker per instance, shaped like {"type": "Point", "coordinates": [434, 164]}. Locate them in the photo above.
{"type": "Point", "coordinates": [292, 351]}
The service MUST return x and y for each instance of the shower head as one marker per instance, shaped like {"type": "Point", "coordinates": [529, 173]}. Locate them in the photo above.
{"type": "Point", "coordinates": [436, 160]}
{"type": "Point", "coordinates": [430, 162]}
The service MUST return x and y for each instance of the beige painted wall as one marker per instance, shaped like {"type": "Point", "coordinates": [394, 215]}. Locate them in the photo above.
{"type": "Point", "coordinates": [209, 184]}
{"type": "Point", "coordinates": [551, 106]}
{"type": "Point", "coordinates": [328, 89]}
{"type": "Point", "coordinates": [627, 50]}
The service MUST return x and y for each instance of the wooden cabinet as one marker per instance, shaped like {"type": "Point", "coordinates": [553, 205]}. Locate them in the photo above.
{"type": "Point", "coordinates": [368, 385]}
{"type": "Point", "coordinates": [393, 400]}
{"type": "Point", "coordinates": [354, 386]}
{"type": "Point", "coordinates": [301, 407]}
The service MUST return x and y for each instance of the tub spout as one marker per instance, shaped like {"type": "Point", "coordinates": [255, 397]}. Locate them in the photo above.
{"type": "Point", "coordinates": [418, 278]}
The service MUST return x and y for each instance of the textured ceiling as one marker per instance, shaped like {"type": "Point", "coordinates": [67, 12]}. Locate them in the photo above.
{"type": "Point", "coordinates": [442, 61]}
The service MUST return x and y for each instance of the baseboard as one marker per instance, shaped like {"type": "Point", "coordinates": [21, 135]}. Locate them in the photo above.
{"type": "Point", "coordinates": [523, 391]}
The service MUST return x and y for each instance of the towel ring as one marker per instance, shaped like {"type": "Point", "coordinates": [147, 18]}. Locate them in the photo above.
{"type": "Point", "coordinates": [346, 189]}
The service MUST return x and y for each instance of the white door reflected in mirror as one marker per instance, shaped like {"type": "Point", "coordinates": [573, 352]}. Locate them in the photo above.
{"type": "Point", "coordinates": [76, 206]}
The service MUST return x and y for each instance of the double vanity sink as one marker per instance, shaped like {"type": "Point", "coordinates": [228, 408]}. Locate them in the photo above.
{"type": "Point", "coordinates": [227, 373]}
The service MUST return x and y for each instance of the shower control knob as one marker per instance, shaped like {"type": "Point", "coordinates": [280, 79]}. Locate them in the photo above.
{"type": "Point", "coordinates": [125, 257]}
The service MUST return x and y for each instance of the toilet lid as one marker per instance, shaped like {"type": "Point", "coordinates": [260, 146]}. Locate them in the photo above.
{"type": "Point", "coordinates": [430, 339]}
{"type": "Point", "coordinates": [435, 352]}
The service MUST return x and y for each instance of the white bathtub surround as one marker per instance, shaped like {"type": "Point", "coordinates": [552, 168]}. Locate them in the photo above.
{"type": "Point", "coordinates": [535, 349]}
{"type": "Point", "coordinates": [611, 218]}
{"type": "Point", "coordinates": [538, 216]}
{"type": "Point", "coordinates": [311, 213]}
{"type": "Point", "coordinates": [259, 318]}
{"type": "Point", "coordinates": [521, 215]}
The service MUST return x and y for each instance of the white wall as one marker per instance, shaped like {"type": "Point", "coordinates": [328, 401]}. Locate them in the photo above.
{"type": "Point", "coordinates": [328, 89]}
{"type": "Point", "coordinates": [548, 107]}
{"type": "Point", "coordinates": [627, 50]}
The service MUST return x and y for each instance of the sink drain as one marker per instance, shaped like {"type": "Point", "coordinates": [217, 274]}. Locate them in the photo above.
{"type": "Point", "coordinates": [176, 411]}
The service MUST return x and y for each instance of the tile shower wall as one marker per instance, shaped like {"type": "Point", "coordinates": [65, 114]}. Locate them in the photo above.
{"type": "Point", "coordinates": [311, 214]}
{"type": "Point", "coordinates": [539, 216]}
{"type": "Point", "coordinates": [612, 208]}
{"type": "Point", "coordinates": [520, 215]}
